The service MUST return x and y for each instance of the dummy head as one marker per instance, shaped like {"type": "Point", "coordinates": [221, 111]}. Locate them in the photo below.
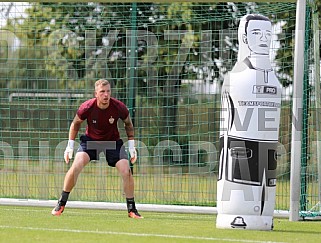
{"type": "Point", "coordinates": [254, 36]}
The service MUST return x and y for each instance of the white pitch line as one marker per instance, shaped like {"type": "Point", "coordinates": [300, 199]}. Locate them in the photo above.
{"type": "Point", "coordinates": [137, 234]}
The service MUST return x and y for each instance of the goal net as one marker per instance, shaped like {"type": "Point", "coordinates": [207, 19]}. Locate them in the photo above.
{"type": "Point", "coordinates": [166, 62]}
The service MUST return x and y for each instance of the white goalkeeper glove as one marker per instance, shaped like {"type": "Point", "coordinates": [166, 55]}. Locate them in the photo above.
{"type": "Point", "coordinates": [69, 151]}
{"type": "Point", "coordinates": [132, 151]}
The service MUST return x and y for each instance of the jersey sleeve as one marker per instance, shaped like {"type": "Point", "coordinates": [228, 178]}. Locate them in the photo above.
{"type": "Point", "coordinates": [123, 111]}
{"type": "Point", "coordinates": [84, 110]}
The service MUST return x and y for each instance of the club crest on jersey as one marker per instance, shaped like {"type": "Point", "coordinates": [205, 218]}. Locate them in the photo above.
{"type": "Point", "coordinates": [264, 89]}
{"type": "Point", "coordinates": [94, 121]}
{"type": "Point", "coordinates": [111, 120]}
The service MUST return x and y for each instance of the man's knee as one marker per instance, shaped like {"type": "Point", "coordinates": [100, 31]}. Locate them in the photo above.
{"type": "Point", "coordinates": [123, 167]}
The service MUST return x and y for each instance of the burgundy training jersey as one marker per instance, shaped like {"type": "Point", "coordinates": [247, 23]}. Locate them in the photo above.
{"type": "Point", "coordinates": [102, 123]}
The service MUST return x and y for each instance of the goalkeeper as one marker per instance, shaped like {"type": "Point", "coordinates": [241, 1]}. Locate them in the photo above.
{"type": "Point", "coordinates": [102, 135]}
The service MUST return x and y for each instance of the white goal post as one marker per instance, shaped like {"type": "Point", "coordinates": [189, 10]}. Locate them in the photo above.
{"type": "Point", "coordinates": [296, 108]}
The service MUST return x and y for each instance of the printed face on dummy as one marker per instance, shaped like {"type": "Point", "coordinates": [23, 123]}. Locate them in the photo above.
{"type": "Point", "coordinates": [258, 36]}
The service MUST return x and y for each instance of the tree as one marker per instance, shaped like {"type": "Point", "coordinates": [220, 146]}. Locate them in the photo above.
{"type": "Point", "coordinates": [182, 30]}
{"type": "Point", "coordinates": [69, 45]}
{"type": "Point", "coordinates": [285, 54]}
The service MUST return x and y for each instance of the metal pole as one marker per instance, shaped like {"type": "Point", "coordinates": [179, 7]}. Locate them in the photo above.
{"type": "Point", "coordinates": [316, 52]}
{"type": "Point", "coordinates": [132, 67]}
{"type": "Point", "coordinates": [297, 107]}
{"type": "Point", "coordinates": [132, 62]}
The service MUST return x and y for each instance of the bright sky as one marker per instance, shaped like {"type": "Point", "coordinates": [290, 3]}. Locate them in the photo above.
{"type": "Point", "coordinates": [16, 10]}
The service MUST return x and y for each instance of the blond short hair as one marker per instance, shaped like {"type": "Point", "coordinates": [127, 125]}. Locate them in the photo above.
{"type": "Point", "coordinates": [102, 82]}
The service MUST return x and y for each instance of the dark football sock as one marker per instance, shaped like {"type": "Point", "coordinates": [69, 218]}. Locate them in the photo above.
{"type": "Point", "coordinates": [63, 198]}
{"type": "Point", "coordinates": [130, 204]}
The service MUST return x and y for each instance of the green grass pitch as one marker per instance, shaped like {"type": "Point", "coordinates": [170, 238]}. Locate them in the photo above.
{"type": "Point", "coordinates": [35, 224]}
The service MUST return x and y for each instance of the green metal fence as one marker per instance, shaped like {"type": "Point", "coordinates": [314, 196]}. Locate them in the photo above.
{"type": "Point", "coordinates": [165, 61]}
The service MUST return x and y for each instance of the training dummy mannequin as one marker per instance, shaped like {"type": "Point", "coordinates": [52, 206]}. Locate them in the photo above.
{"type": "Point", "coordinates": [251, 103]}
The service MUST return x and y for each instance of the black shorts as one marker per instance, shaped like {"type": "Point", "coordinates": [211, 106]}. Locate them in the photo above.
{"type": "Point", "coordinates": [113, 150]}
